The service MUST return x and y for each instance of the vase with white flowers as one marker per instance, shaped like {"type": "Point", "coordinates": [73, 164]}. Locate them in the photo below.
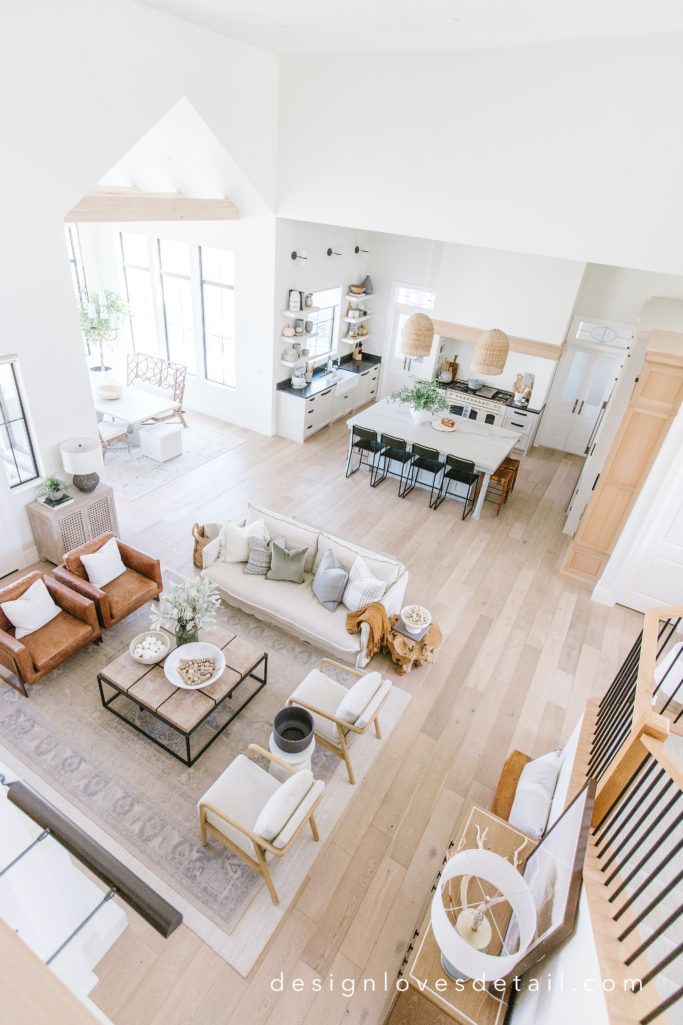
{"type": "Point", "coordinates": [425, 398]}
{"type": "Point", "coordinates": [185, 607]}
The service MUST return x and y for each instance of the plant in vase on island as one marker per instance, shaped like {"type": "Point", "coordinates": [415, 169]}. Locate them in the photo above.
{"type": "Point", "coordinates": [186, 607]}
{"type": "Point", "coordinates": [425, 398]}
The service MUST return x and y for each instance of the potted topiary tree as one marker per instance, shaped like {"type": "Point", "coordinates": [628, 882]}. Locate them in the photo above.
{"type": "Point", "coordinates": [101, 316]}
{"type": "Point", "coordinates": [425, 399]}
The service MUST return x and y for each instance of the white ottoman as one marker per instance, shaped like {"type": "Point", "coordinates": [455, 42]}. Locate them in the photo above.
{"type": "Point", "coordinates": [162, 441]}
{"type": "Point", "coordinates": [300, 760]}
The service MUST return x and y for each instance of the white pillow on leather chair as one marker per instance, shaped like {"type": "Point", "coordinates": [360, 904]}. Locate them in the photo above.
{"type": "Point", "coordinates": [33, 610]}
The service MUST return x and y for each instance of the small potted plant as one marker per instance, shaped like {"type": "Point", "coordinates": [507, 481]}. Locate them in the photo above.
{"type": "Point", "coordinates": [425, 399]}
{"type": "Point", "coordinates": [54, 490]}
{"type": "Point", "coordinates": [186, 607]}
{"type": "Point", "coordinates": [101, 316]}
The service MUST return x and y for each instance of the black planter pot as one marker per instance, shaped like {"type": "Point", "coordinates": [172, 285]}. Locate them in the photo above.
{"type": "Point", "coordinates": [293, 729]}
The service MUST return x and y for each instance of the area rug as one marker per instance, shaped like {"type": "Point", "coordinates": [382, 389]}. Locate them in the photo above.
{"type": "Point", "coordinates": [144, 801]}
{"type": "Point", "coordinates": [132, 474]}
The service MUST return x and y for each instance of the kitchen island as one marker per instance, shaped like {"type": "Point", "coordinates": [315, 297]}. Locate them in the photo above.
{"type": "Point", "coordinates": [485, 446]}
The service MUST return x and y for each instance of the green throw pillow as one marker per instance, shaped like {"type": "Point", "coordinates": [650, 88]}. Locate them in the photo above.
{"type": "Point", "coordinates": [287, 565]}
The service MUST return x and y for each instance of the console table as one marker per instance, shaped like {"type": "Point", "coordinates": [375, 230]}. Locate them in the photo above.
{"type": "Point", "coordinates": [57, 531]}
{"type": "Point", "coordinates": [429, 983]}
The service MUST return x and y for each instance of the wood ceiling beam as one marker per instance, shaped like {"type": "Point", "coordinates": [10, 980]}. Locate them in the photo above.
{"type": "Point", "coordinates": [119, 203]}
{"type": "Point", "coordinates": [527, 346]}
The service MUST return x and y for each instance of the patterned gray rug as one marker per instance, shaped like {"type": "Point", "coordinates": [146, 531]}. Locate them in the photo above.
{"type": "Point", "coordinates": [146, 800]}
{"type": "Point", "coordinates": [133, 474]}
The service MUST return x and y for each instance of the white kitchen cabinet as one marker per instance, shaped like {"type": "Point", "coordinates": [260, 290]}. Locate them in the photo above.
{"type": "Point", "coordinates": [524, 423]}
{"type": "Point", "coordinates": [300, 418]}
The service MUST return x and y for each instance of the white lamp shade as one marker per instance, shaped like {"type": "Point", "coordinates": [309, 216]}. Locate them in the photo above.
{"type": "Point", "coordinates": [490, 353]}
{"type": "Point", "coordinates": [476, 964]}
{"type": "Point", "coordinates": [81, 455]}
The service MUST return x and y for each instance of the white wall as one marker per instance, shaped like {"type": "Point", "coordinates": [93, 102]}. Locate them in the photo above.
{"type": "Point", "coordinates": [82, 83]}
{"type": "Point", "coordinates": [617, 293]}
{"type": "Point", "coordinates": [564, 150]}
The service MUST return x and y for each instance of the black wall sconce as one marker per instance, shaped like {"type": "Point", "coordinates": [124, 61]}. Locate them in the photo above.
{"type": "Point", "coordinates": [359, 249]}
{"type": "Point", "coordinates": [334, 252]}
{"type": "Point", "coordinates": [301, 255]}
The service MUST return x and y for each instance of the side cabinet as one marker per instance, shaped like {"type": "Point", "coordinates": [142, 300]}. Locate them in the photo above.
{"type": "Point", "coordinates": [524, 423]}
{"type": "Point", "coordinates": [299, 419]}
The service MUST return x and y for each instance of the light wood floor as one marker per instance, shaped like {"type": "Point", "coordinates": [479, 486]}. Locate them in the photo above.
{"type": "Point", "coordinates": [524, 649]}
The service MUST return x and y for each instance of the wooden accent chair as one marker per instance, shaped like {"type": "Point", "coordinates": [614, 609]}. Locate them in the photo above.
{"type": "Point", "coordinates": [140, 583]}
{"type": "Point", "coordinates": [159, 375]}
{"type": "Point", "coordinates": [512, 464]}
{"type": "Point", "coordinates": [35, 655]}
{"type": "Point", "coordinates": [506, 788]}
{"type": "Point", "coordinates": [230, 808]}
{"type": "Point", "coordinates": [322, 696]}
{"type": "Point", "coordinates": [500, 487]}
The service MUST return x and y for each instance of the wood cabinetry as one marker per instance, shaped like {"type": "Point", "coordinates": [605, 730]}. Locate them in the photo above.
{"type": "Point", "coordinates": [656, 398]}
{"type": "Point", "coordinates": [300, 418]}
{"type": "Point", "coordinates": [57, 531]}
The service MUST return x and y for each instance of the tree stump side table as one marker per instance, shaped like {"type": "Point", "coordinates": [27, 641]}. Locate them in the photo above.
{"type": "Point", "coordinates": [407, 652]}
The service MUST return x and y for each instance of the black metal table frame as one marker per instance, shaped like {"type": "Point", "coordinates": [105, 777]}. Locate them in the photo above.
{"type": "Point", "coordinates": [189, 759]}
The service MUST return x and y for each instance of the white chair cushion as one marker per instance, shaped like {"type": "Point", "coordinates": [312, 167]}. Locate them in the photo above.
{"type": "Point", "coordinates": [104, 565]}
{"type": "Point", "coordinates": [241, 791]}
{"type": "Point", "coordinates": [324, 693]}
{"type": "Point", "coordinates": [296, 535]}
{"type": "Point", "coordinates": [33, 610]}
{"type": "Point", "coordinates": [358, 697]}
{"type": "Point", "coordinates": [373, 705]}
{"type": "Point", "coordinates": [235, 539]}
{"type": "Point", "coordinates": [363, 588]}
{"type": "Point", "coordinates": [300, 815]}
{"type": "Point", "coordinates": [279, 808]}
{"type": "Point", "coordinates": [384, 567]}
{"type": "Point", "coordinates": [534, 794]}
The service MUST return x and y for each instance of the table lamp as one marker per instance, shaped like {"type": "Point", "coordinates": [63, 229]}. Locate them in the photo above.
{"type": "Point", "coordinates": [464, 929]}
{"type": "Point", "coordinates": [82, 457]}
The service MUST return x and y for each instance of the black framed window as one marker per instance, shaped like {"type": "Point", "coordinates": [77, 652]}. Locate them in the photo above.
{"type": "Point", "coordinates": [73, 246]}
{"type": "Point", "coordinates": [326, 322]}
{"type": "Point", "coordinates": [176, 292]}
{"type": "Point", "coordinates": [137, 276]}
{"type": "Point", "coordinates": [217, 273]}
{"type": "Point", "coordinates": [16, 446]}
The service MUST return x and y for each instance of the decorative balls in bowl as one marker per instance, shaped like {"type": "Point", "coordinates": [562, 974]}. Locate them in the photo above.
{"type": "Point", "coordinates": [150, 647]}
{"type": "Point", "coordinates": [416, 618]}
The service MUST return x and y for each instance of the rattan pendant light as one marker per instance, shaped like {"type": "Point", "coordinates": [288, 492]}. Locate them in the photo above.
{"type": "Point", "coordinates": [417, 335]}
{"type": "Point", "coordinates": [490, 353]}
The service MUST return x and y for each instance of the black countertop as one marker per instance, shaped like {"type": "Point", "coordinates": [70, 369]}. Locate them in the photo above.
{"type": "Point", "coordinates": [322, 380]}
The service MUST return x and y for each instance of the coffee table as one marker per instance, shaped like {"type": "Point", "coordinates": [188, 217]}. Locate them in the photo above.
{"type": "Point", "coordinates": [129, 684]}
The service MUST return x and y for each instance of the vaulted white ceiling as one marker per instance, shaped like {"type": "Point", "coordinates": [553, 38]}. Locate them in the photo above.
{"type": "Point", "coordinates": [425, 26]}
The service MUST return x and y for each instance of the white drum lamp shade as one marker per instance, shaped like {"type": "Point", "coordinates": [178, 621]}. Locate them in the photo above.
{"type": "Point", "coordinates": [490, 353]}
{"type": "Point", "coordinates": [417, 335]}
{"type": "Point", "coordinates": [82, 457]}
{"type": "Point", "coordinates": [462, 955]}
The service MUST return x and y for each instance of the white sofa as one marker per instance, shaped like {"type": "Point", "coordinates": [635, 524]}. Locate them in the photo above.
{"type": "Point", "coordinates": [294, 607]}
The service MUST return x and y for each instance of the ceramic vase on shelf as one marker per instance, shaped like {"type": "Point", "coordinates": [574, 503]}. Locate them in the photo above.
{"type": "Point", "coordinates": [186, 633]}
{"type": "Point", "coordinates": [421, 416]}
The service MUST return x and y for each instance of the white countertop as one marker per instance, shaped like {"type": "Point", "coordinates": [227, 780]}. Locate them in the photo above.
{"type": "Point", "coordinates": [484, 445]}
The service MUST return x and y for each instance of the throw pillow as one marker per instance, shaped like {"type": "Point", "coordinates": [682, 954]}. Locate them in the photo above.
{"type": "Point", "coordinates": [362, 588]}
{"type": "Point", "coordinates": [260, 555]}
{"type": "Point", "coordinates": [329, 581]}
{"type": "Point", "coordinates": [534, 794]}
{"type": "Point", "coordinates": [287, 565]}
{"type": "Point", "coordinates": [104, 565]}
{"type": "Point", "coordinates": [34, 609]}
{"type": "Point", "coordinates": [280, 806]}
{"type": "Point", "coordinates": [235, 539]}
{"type": "Point", "coordinates": [358, 697]}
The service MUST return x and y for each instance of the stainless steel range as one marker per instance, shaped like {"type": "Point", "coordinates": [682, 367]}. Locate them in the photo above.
{"type": "Point", "coordinates": [487, 404]}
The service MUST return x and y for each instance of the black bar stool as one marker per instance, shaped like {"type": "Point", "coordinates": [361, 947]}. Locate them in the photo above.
{"type": "Point", "coordinates": [363, 441]}
{"type": "Point", "coordinates": [460, 471]}
{"type": "Point", "coordinates": [426, 460]}
{"type": "Point", "coordinates": [392, 450]}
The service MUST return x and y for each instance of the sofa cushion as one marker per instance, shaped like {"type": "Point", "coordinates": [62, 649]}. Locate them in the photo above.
{"type": "Point", "coordinates": [363, 587]}
{"type": "Point", "coordinates": [33, 610]}
{"type": "Point", "coordinates": [62, 637]}
{"type": "Point", "coordinates": [235, 539]}
{"type": "Point", "coordinates": [287, 564]}
{"type": "Point", "coordinates": [280, 806]}
{"type": "Point", "coordinates": [292, 606]}
{"type": "Point", "coordinates": [241, 791]}
{"type": "Point", "coordinates": [260, 554]}
{"type": "Point", "coordinates": [384, 567]}
{"type": "Point", "coordinates": [358, 697]}
{"type": "Point", "coordinates": [104, 565]}
{"type": "Point", "coordinates": [128, 592]}
{"type": "Point", "coordinates": [321, 691]}
{"type": "Point", "coordinates": [300, 815]}
{"type": "Point", "coordinates": [329, 581]}
{"type": "Point", "coordinates": [296, 535]}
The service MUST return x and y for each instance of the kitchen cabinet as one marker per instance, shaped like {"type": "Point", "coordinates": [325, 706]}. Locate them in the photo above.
{"type": "Point", "coordinates": [299, 418]}
{"type": "Point", "coordinates": [524, 423]}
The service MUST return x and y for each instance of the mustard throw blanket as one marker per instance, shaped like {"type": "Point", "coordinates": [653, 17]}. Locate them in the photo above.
{"type": "Point", "coordinates": [375, 615]}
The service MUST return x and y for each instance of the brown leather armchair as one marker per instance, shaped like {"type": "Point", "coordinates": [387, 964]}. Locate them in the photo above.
{"type": "Point", "coordinates": [139, 584]}
{"type": "Point", "coordinates": [38, 653]}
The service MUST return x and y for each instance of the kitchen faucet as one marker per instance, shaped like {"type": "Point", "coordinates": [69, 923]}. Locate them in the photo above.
{"type": "Point", "coordinates": [331, 360]}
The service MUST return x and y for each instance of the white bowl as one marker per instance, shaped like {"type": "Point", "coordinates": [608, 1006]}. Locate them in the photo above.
{"type": "Point", "coordinates": [426, 617]}
{"type": "Point", "coordinates": [110, 392]}
{"type": "Point", "coordinates": [198, 649]}
{"type": "Point", "coordinates": [160, 635]}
